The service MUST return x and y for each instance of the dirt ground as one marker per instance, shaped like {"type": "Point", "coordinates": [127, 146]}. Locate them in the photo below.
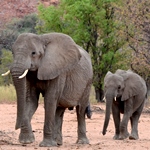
{"type": "Point", "coordinates": [9, 136]}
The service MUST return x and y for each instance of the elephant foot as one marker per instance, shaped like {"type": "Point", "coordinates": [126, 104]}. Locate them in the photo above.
{"type": "Point", "coordinates": [116, 137]}
{"type": "Point", "coordinates": [59, 141]}
{"type": "Point", "coordinates": [26, 138]}
{"type": "Point", "coordinates": [48, 143]}
{"type": "Point", "coordinates": [133, 137]}
{"type": "Point", "coordinates": [83, 141]}
{"type": "Point", "coordinates": [123, 136]}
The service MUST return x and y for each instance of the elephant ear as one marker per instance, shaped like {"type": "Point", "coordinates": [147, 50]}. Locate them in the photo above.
{"type": "Point", "coordinates": [107, 76]}
{"type": "Point", "coordinates": [61, 54]}
{"type": "Point", "coordinates": [120, 72]}
{"type": "Point", "coordinates": [132, 85]}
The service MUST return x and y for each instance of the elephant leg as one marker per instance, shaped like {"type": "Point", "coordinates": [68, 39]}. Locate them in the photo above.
{"type": "Point", "coordinates": [26, 135]}
{"type": "Point", "coordinates": [134, 123]}
{"type": "Point", "coordinates": [123, 127]}
{"type": "Point", "coordinates": [116, 118]}
{"type": "Point", "coordinates": [49, 123]}
{"type": "Point", "coordinates": [128, 105]}
{"type": "Point", "coordinates": [82, 138]}
{"type": "Point", "coordinates": [58, 124]}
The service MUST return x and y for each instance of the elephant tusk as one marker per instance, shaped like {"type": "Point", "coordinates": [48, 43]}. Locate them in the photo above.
{"type": "Point", "coordinates": [24, 74]}
{"type": "Point", "coordinates": [5, 74]}
{"type": "Point", "coordinates": [115, 98]}
{"type": "Point", "coordinates": [104, 99]}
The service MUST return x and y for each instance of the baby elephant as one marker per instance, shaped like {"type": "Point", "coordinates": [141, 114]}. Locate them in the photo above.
{"type": "Point", "coordinates": [125, 92]}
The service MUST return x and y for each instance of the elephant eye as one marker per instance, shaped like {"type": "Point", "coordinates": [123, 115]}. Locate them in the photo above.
{"type": "Point", "coordinates": [119, 87]}
{"type": "Point", "coordinates": [33, 54]}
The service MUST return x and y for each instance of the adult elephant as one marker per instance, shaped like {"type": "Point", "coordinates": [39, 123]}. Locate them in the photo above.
{"type": "Point", "coordinates": [125, 92]}
{"type": "Point", "coordinates": [54, 65]}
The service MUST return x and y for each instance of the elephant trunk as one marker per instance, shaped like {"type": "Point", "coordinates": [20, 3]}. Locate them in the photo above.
{"type": "Point", "coordinates": [109, 99]}
{"type": "Point", "coordinates": [20, 86]}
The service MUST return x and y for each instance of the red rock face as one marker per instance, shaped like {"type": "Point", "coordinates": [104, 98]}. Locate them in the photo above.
{"type": "Point", "coordinates": [19, 8]}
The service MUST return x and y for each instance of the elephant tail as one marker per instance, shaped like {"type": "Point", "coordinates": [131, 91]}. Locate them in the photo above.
{"type": "Point", "coordinates": [88, 111]}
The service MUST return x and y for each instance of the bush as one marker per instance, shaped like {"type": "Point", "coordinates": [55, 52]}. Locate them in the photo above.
{"type": "Point", "coordinates": [16, 27]}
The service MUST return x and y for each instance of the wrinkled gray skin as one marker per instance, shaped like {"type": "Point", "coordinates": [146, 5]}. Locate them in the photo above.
{"type": "Point", "coordinates": [130, 91]}
{"type": "Point", "coordinates": [62, 72]}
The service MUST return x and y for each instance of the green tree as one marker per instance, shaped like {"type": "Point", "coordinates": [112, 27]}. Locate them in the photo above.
{"type": "Point", "coordinates": [93, 25]}
{"type": "Point", "coordinates": [5, 62]}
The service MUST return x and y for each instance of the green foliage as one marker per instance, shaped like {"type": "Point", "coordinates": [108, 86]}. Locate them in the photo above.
{"type": "Point", "coordinates": [14, 28]}
{"type": "Point", "coordinates": [70, 17]}
{"type": "Point", "coordinates": [25, 24]}
{"type": "Point", "coordinates": [5, 62]}
{"type": "Point", "coordinates": [7, 38]}
{"type": "Point", "coordinates": [122, 59]}
{"type": "Point", "coordinates": [51, 17]}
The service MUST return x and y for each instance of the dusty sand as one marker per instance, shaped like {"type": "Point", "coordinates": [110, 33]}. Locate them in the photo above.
{"type": "Point", "coordinates": [9, 136]}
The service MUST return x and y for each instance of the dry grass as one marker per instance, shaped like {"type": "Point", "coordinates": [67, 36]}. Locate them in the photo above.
{"type": "Point", "coordinates": [7, 94]}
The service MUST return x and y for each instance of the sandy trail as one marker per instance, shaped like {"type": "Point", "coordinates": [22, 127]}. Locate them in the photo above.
{"type": "Point", "coordinates": [9, 136]}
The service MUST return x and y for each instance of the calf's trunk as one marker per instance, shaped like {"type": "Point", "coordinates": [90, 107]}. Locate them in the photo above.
{"type": "Point", "coordinates": [109, 100]}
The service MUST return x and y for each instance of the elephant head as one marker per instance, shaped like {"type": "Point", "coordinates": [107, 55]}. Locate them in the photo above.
{"type": "Point", "coordinates": [48, 55]}
{"type": "Point", "coordinates": [120, 85]}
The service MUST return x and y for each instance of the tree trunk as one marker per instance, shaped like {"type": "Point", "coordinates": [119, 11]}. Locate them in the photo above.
{"type": "Point", "coordinates": [99, 94]}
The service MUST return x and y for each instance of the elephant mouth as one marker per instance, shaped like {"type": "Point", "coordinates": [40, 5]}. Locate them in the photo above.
{"type": "Point", "coordinates": [119, 95]}
{"type": "Point", "coordinates": [33, 69]}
